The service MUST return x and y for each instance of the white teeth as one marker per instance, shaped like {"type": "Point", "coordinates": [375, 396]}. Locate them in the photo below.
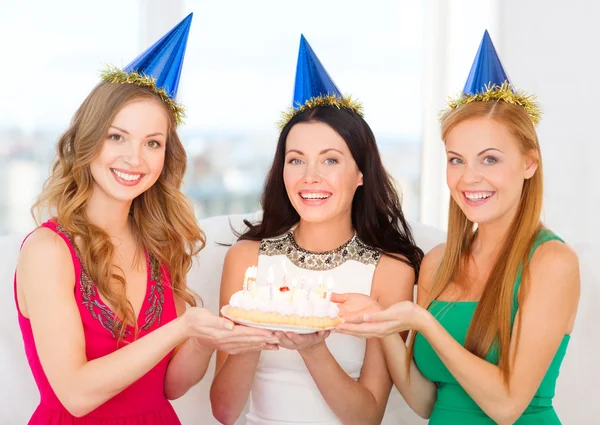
{"type": "Point", "coordinates": [315, 195]}
{"type": "Point", "coordinates": [476, 196]}
{"type": "Point", "coordinates": [124, 176]}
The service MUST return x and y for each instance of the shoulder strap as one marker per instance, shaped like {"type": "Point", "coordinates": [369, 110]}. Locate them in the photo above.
{"type": "Point", "coordinates": [544, 235]}
{"type": "Point", "coordinates": [58, 229]}
{"type": "Point", "coordinates": [55, 227]}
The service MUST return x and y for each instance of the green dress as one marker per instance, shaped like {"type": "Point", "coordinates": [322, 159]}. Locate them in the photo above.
{"type": "Point", "coordinates": [453, 404]}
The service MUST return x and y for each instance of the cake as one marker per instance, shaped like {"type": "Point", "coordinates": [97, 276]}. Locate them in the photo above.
{"type": "Point", "coordinates": [299, 304]}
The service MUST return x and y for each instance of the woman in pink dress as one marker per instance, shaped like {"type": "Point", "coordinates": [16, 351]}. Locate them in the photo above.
{"type": "Point", "coordinates": [101, 287]}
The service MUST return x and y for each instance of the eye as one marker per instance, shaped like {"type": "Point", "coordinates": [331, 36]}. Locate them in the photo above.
{"type": "Point", "coordinates": [455, 161]}
{"type": "Point", "coordinates": [490, 160]}
{"type": "Point", "coordinates": [154, 144]}
{"type": "Point", "coordinates": [331, 161]}
{"type": "Point", "coordinates": [295, 161]}
{"type": "Point", "coordinates": [116, 137]}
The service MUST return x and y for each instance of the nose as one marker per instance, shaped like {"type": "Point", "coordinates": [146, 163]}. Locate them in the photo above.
{"type": "Point", "coordinates": [471, 175]}
{"type": "Point", "coordinates": [133, 155]}
{"type": "Point", "coordinates": [312, 174]}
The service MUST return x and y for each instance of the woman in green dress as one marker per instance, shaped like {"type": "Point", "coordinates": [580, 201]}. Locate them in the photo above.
{"type": "Point", "coordinates": [497, 302]}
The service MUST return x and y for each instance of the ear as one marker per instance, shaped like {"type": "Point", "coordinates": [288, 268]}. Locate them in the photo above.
{"type": "Point", "coordinates": [360, 179]}
{"type": "Point", "coordinates": [531, 165]}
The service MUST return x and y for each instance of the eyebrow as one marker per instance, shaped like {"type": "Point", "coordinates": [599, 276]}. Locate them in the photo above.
{"type": "Point", "coordinates": [126, 132]}
{"type": "Point", "coordinates": [320, 153]}
{"type": "Point", "coordinates": [479, 154]}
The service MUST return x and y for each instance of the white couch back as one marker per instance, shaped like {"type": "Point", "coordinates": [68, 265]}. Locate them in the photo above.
{"type": "Point", "coordinates": [575, 400]}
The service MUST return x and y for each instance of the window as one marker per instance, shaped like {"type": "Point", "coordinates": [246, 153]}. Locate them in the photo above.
{"type": "Point", "coordinates": [51, 61]}
{"type": "Point", "coordinates": [238, 76]}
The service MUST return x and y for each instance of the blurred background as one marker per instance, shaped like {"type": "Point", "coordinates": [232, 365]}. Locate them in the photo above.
{"type": "Point", "coordinates": [401, 58]}
{"type": "Point", "coordinates": [238, 76]}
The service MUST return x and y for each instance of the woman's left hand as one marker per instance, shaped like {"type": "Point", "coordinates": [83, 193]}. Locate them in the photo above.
{"type": "Point", "coordinates": [302, 343]}
{"type": "Point", "coordinates": [351, 304]}
{"type": "Point", "coordinates": [402, 316]}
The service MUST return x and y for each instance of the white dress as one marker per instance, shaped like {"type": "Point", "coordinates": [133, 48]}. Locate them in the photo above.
{"type": "Point", "coordinates": [283, 391]}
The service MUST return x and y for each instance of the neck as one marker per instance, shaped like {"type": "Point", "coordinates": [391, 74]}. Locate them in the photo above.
{"type": "Point", "coordinates": [491, 236]}
{"type": "Point", "coordinates": [110, 215]}
{"type": "Point", "coordinates": [322, 237]}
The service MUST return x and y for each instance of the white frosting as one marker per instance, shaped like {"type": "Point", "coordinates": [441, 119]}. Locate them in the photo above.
{"type": "Point", "coordinates": [283, 303]}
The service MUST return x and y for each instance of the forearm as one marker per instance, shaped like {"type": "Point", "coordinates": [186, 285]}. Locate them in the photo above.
{"type": "Point", "coordinates": [483, 381]}
{"type": "Point", "coordinates": [351, 402]}
{"type": "Point", "coordinates": [419, 392]}
{"type": "Point", "coordinates": [99, 380]}
{"type": "Point", "coordinates": [186, 368]}
{"type": "Point", "coordinates": [231, 386]}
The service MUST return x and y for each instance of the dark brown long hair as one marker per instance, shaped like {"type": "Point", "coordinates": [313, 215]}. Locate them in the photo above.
{"type": "Point", "coordinates": [376, 211]}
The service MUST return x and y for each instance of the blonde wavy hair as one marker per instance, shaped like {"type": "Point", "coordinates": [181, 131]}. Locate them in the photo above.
{"type": "Point", "coordinates": [162, 218]}
{"type": "Point", "coordinates": [491, 323]}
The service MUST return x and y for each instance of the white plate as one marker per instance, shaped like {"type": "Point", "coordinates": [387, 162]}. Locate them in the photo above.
{"type": "Point", "coordinates": [274, 327]}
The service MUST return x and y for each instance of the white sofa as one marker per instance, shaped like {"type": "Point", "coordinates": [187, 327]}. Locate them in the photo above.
{"type": "Point", "coordinates": [576, 399]}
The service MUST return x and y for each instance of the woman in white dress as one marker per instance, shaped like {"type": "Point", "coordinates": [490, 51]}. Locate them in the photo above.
{"type": "Point", "coordinates": [330, 210]}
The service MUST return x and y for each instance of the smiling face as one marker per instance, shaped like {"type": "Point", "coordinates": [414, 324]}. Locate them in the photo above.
{"type": "Point", "coordinates": [486, 169]}
{"type": "Point", "coordinates": [133, 151]}
{"type": "Point", "coordinates": [320, 174]}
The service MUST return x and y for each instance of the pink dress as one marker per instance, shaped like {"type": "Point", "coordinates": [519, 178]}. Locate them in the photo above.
{"type": "Point", "coordinates": [144, 401]}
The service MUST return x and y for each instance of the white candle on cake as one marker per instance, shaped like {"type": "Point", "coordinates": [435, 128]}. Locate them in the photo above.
{"type": "Point", "coordinates": [284, 278]}
{"type": "Point", "coordinates": [252, 278]}
{"type": "Point", "coordinates": [309, 288]}
{"type": "Point", "coordinates": [270, 281]}
{"type": "Point", "coordinates": [294, 286]}
{"type": "Point", "coordinates": [329, 288]}
{"type": "Point", "coordinates": [320, 287]}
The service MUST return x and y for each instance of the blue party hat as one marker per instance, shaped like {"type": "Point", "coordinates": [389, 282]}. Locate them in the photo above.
{"type": "Point", "coordinates": [312, 80]}
{"type": "Point", "coordinates": [159, 67]}
{"type": "Point", "coordinates": [487, 70]}
{"type": "Point", "coordinates": [488, 81]}
{"type": "Point", "coordinates": [314, 87]}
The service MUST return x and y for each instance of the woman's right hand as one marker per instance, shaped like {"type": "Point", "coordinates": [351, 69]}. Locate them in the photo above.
{"type": "Point", "coordinates": [218, 333]}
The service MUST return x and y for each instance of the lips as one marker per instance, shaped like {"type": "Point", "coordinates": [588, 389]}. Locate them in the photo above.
{"type": "Point", "coordinates": [314, 195]}
{"type": "Point", "coordinates": [126, 177]}
{"type": "Point", "coordinates": [314, 198]}
{"type": "Point", "coordinates": [476, 198]}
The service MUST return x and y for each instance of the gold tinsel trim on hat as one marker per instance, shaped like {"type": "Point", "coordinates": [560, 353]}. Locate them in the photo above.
{"type": "Point", "coordinates": [115, 75]}
{"type": "Point", "coordinates": [505, 93]}
{"type": "Point", "coordinates": [320, 101]}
